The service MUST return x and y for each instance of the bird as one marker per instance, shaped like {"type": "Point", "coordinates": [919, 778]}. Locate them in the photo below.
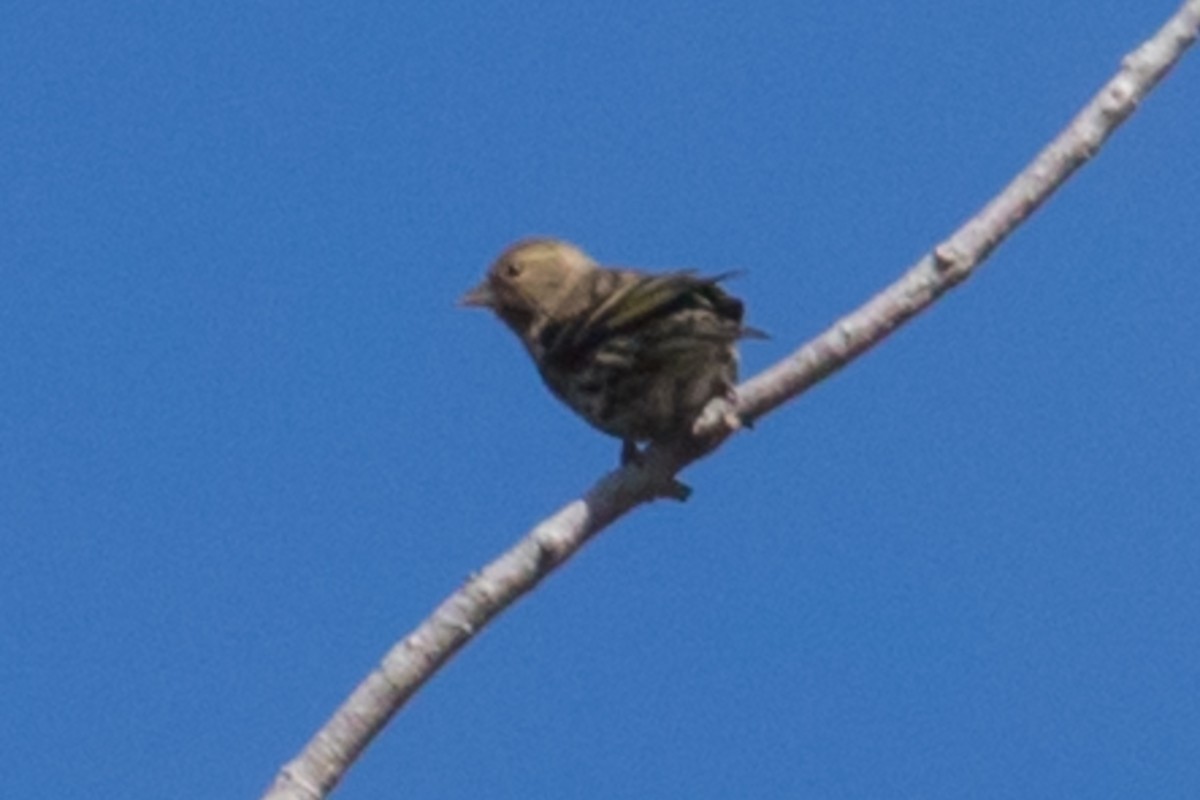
{"type": "Point", "coordinates": [636, 354]}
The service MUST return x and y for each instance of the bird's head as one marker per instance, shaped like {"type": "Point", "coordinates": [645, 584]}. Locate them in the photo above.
{"type": "Point", "coordinates": [530, 282]}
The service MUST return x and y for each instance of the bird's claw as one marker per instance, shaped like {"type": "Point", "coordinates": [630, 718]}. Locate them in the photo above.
{"type": "Point", "coordinates": [632, 455]}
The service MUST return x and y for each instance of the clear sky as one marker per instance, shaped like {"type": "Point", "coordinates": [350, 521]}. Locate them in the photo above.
{"type": "Point", "coordinates": [247, 441]}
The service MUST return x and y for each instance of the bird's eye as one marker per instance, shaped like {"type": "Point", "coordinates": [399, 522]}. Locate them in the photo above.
{"type": "Point", "coordinates": [512, 269]}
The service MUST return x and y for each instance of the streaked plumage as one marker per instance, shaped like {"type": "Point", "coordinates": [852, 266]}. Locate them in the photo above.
{"type": "Point", "coordinates": [636, 354]}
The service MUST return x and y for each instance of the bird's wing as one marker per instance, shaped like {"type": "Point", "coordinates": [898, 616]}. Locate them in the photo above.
{"type": "Point", "coordinates": [636, 300]}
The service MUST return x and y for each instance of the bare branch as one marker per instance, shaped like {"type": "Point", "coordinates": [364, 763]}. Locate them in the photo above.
{"type": "Point", "coordinates": [413, 661]}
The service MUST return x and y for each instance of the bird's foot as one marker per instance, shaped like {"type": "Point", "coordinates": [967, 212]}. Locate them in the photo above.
{"type": "Point", "coordinates": [632, 455]}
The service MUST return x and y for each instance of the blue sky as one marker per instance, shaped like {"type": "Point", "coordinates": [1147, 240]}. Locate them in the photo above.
{"type": "Point", "coordinates": [247, 441]}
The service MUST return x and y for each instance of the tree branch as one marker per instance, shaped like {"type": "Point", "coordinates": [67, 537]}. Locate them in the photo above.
{"type": "Point", "coordinates": [409, 664]}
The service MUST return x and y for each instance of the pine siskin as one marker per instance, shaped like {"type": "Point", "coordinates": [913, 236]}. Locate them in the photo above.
{"type": "Point", "coordinates": [637, 355]}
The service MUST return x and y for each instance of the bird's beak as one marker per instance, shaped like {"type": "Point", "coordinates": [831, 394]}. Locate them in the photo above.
{"type": "Point", "coordinates": [481, 296]}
